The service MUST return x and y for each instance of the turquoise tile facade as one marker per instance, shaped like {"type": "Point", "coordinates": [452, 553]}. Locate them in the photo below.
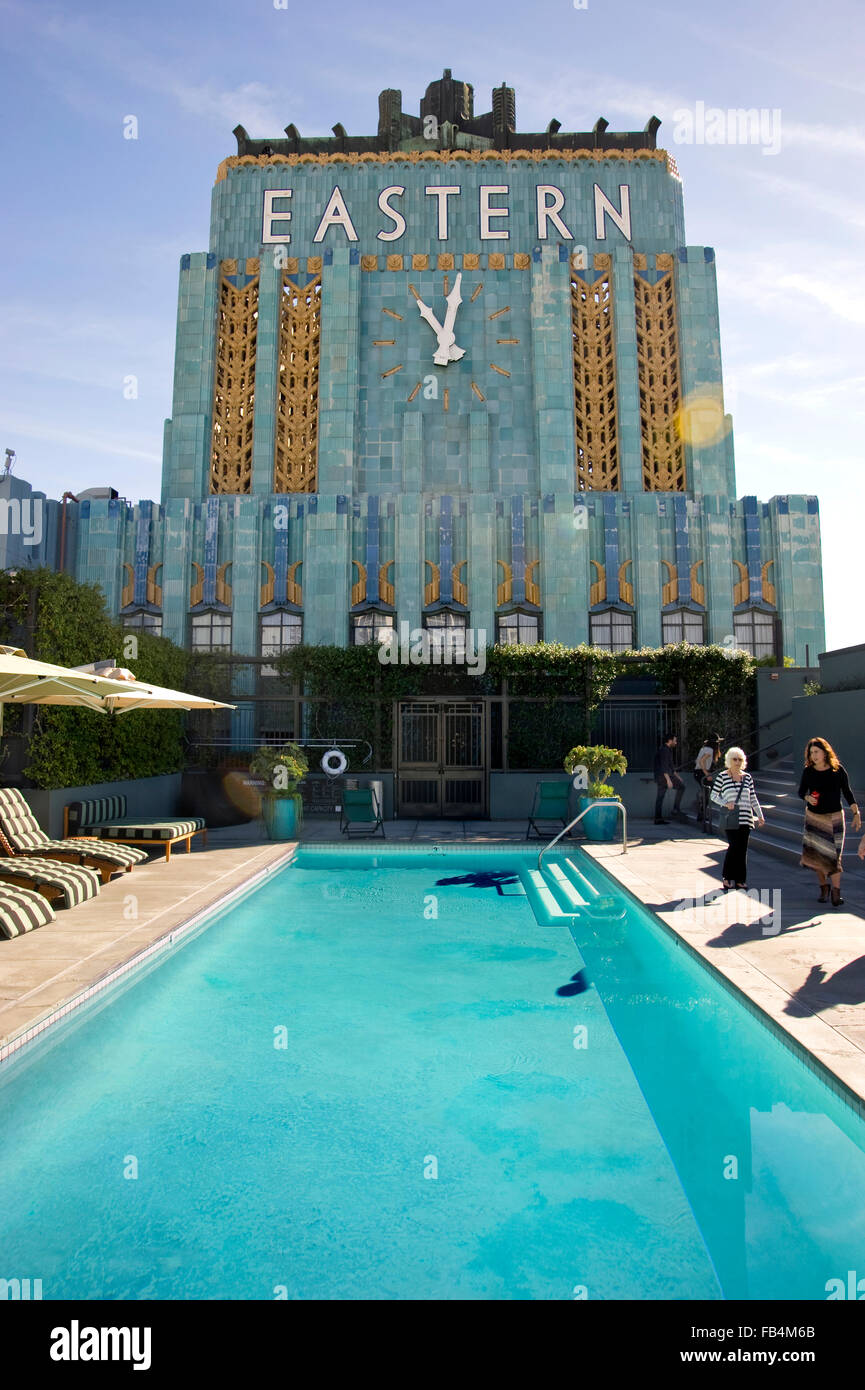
{"type": "Point", "coordinates": [418, 460]}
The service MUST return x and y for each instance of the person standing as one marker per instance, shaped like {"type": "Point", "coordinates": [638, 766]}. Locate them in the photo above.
{"type": "Point", "coordinates": [824, 781]}
{"type": "Point", "coordinates": [666, 778]}
{"type": "Point", "coordinates": [704, 769]}
{"type": "Point", "coordinates": [733, 789]}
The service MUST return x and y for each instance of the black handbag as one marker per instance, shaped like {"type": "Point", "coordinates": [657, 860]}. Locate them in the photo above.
{"type": "Point", "coordinates": [729, 819]}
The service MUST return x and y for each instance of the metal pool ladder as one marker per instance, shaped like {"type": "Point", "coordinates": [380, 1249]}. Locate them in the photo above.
{"type": "Point", "coordinates": [619, 806]}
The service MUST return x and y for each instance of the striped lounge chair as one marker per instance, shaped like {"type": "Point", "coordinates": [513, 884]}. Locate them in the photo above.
{"type": "Point", "coordinates": [64, 885]}
{"type": "Point", "coordinates": [106, 817]}
{"type": "Point", "coordinates": [21, 910]}
{"type": "Point", "coordinates": [20, 834]}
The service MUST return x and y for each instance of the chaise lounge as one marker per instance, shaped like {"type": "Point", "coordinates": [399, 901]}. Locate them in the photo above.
{"type": "Point", "coordinates": [64, 885]}
{"type": "Point", "coordinates": [106, 818]}
{"type": "Point", "coordinates": [22, 910]}
{"type": "Point", "coordinates": [20, 834]}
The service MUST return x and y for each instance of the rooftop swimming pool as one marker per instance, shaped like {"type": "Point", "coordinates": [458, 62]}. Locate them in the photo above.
{"type": "Point", "coordinates": [425, 1073]}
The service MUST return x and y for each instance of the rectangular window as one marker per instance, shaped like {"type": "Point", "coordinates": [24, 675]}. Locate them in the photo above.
{"type": "Point", "coordinates": [755, 632]}
{"type": "Point", "coordinates": [517, 629]}
{"type": "Point", "coordinates": [211, 632]}
{"type": "Point", "coordinates": [143, 622]}
{"type": "Point", "coordinates": [612, 630]}
{"type": "Point", "coordinates": [683, 626]}
{"type": "Point", "coordinates": [369, 628]}
{"type": "Point", "coordinates": [447, 633]}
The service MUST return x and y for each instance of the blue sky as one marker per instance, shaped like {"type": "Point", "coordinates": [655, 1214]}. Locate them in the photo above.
{"type": "Point", "coordinates": [94, 225]}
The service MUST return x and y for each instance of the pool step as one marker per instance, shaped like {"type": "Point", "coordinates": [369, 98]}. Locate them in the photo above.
{"type": "Point", "coordinates": [580, 882]}
{"type": "Point", "coordinates": [547, 905]}
{"type": "Point", "coordinates": [564, 888]}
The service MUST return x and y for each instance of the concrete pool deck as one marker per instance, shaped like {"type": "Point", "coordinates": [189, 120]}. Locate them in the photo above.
{"type": "Point", "coordinates": [808, 977]}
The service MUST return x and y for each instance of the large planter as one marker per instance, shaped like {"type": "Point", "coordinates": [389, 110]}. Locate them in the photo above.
{"type": "Point", "coordinates": [603, 820]}
{"type": "Point", "coordinates": [282, 815]}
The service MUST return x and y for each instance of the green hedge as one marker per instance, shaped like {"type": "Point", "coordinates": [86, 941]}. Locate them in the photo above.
{"type": "Point", "coordinates": [56, 619]}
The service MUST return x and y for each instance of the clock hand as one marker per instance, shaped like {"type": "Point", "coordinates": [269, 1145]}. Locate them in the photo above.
{"type": "Point", "coordinates": [427, 313]}
{"type": "Point", "coordinates": [447, 352]}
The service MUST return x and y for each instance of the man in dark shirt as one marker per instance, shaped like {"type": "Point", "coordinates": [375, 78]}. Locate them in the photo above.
{"type": "Point", "coordinates": [666, 777]}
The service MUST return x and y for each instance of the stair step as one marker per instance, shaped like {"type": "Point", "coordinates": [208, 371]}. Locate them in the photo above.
{"type": "Point", "coordinates": [545, 904]}
{"type": "Point", "coordinates": [580, 882]}
{"type": "Point", "coordinates": [564, 887]}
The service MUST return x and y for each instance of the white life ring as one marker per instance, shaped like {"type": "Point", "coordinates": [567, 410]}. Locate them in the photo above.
{"type": "Point", "coordinates": [334, 763]}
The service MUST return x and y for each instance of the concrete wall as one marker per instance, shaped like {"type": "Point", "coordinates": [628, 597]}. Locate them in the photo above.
{"type": "Point", "coordinates": [511, 793]}
{"type": "Point", "coordinates": [146, 796]}
{"type": "Point", "coordinates": [843, 668]}
{"type": "Point", "coordinates": [777, 687]}
{"type": "Point", "coordinates": [838, 717]}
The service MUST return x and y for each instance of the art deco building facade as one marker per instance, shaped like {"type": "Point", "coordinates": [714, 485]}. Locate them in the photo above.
{"type": "Point", "coordinates": [452, 375]}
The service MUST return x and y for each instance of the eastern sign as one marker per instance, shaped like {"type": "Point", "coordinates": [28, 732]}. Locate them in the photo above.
{"type": "Point", "coordinates": [550, 206]}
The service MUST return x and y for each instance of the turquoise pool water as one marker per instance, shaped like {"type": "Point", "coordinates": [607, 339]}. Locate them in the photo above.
{"type": "Point", "coordinates": [381, 1076]}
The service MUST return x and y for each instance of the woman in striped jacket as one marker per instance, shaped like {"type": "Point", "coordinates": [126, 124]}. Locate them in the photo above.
{"type": "Point", "coordinates": [734, 790]}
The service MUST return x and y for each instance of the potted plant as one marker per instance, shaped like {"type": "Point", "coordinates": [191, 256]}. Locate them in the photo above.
{"type": "Point", "coordinates": [592, 764]}
{"type": "Point", "coordinates": [281, 770]}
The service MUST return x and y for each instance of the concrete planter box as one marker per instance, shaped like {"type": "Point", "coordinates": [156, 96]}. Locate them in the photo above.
{"type": "Point", "coordinates": [145, 796]}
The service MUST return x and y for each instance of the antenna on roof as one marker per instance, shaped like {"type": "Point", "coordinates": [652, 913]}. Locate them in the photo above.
{"type": "Point", "coordinates": [7, 466]}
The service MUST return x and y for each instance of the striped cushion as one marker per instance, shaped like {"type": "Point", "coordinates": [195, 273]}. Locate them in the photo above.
{"type": "Point", "coordinates": [21, 910]}
{"type": "Point", "coordinates": [18, 822]}
{"type": "Point", "coordinates": [134, 829]}
{"type": "Point", "coordinates": [77, 883]}
{"type": "Point", "coordinates": [121, 855]}
{"type": "Point", "coordinates": [83, 814]}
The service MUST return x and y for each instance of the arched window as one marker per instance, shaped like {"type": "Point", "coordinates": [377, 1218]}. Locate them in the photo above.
{"type": "Point", "coordinates": [447, 630]}
{"type": "Point", "coordinates": [518, 628]}
{"type": "Point", "coordinates": [211, 631]}
{"type": "Point", "coordinates": [281, 629]}
{"type": "Point", "coordinates": [143, 620]}
{"type": "Point", "coordinates": [370, 627]}
{"type": "Point", "coordinates": [683, 625]}
{"type": "Point", "coordinates": [756, 631]}
{"type": "Point", "coordinates": [612, 628]}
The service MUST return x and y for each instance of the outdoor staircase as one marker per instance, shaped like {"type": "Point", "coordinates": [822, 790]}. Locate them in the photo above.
{"type": "Point", "coordinates": [777, 789]}
{"type": "Point", "coordinates": [560, 892]}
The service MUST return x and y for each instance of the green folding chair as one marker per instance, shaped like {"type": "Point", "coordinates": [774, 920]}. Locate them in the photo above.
{"type": "Point", "coordinates": [550, 808]}
{"type": "Point", "coordinates": [360, 811]}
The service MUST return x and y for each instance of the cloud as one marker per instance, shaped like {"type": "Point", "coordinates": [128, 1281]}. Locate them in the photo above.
{"type": "Point", "coordinates": [70, 438]}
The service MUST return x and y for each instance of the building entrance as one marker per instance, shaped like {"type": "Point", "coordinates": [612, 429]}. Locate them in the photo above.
{"type": "Point", "coordinates": [441, 758]}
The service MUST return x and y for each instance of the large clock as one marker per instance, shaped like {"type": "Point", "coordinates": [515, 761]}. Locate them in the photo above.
{"type": "Point", "coordinates": [443, 345]}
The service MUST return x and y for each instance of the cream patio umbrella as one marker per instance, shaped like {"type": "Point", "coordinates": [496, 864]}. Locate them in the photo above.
{"type": "Point", "coordinates": [27, 682]}
{"type": "Point", "coordinates": [128, 694]}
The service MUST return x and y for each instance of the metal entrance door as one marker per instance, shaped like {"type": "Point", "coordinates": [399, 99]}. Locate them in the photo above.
{"type": "Point", "coordinates": [441, 758]}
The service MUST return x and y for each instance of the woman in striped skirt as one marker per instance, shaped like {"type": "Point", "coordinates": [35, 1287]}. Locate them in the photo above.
{"type": "Point", "coordinates": [734, 790]}
{"type": "Point", "coordinates": [824, 782]}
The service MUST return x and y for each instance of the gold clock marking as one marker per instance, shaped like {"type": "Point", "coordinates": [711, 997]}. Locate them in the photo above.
{"type": "Point", "coordinates": [478, 392]}
{"type": "Point", "coordinates": [397, 369]}
{"type": "Point", "coordinates": [498, 313]}
{"type": "Point", "coordinates": [415, 391]}
{"type": "Point", "coordinates": [477, 291]}
{"type": "Point", "coordinates": [447, 285]}
{"type": "Point", "coordinates": [501, 371]}
{"type": "Point", "coordinates": [389, 342]}
{"type": "Point", "coordinates": [393, 314]}
{"type": "Point", "coordinates": [412, 290]}
{"type": "Point", "coordinates": [446, 397]}
{"type": "Point", "coordinates": [507, 340]}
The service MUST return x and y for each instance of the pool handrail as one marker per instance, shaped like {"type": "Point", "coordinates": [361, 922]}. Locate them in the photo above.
{"type": "Point", "coordinates": [619, 807]}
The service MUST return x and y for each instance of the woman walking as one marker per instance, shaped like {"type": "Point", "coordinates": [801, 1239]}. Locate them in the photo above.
{"type": "Point", "coordinates": [733, 790]}
{"type": "Point", "coordinates": [824, 782]}
{"type": "Point", "coordinates": [704, 770]}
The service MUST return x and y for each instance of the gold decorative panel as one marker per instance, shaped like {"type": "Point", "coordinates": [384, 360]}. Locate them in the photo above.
{"type": "Point", "coordinates": [595, 428]}
{"type": "Point", "coordinates": [626, 588]}
{"type": "Point", "coordinates": [128, 590]}
{"type": "Point", "coordinates": [460, 588]}
{"type": "Point", "coordinates": [432, 589]}
{"type": "Point", "coordinates": [369, 262]}
{"type": "Point", "coordinates": [471, 260]}
{"type": "Point", "coordinates": [223, 588]}
{"type": "Point", "coordinates": [445, 260]}
{"type": "Point", "coordinates": [295, 455]}
{"type": "Point", "coordinates": [196, 590]}
{"type": "Point", "coordinates": [496, 260]}
{"type": "Point", "coordinates": [385, 587]}
{"type": "Point", "coordinates": [698, 590]}
{"type": "Point", "coordinates": [293, 590]}
{"type": "Point", "coordinates": [234, 386]}
{"type": "Point", "coordinates": [153, 591]}
{"type": "Point", "coordinates": [420, 261]}
{"type": "Point", "coordinates": [522, 260]}
{"type": "Point", "coordinates": [660, 394]}
{"type": "Point", "coordinates": [670, 590]}
{"type": "Point", "coordinates": [741, 590]}
{"type": "Point", "coordinates": [266, 589]}
{"type": "Point", "coordinates": [505, 591]}
{"type": "Point", "coordinates": [394, 262]}
{"type": "Point", "coordinates": [533, 592]}
{"type": "Point", "coordinates": [768, 587]}
{"type": "Point", "coordinates": [598, 590]}
{"type": "Point", "coordinates": [358, 589]}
